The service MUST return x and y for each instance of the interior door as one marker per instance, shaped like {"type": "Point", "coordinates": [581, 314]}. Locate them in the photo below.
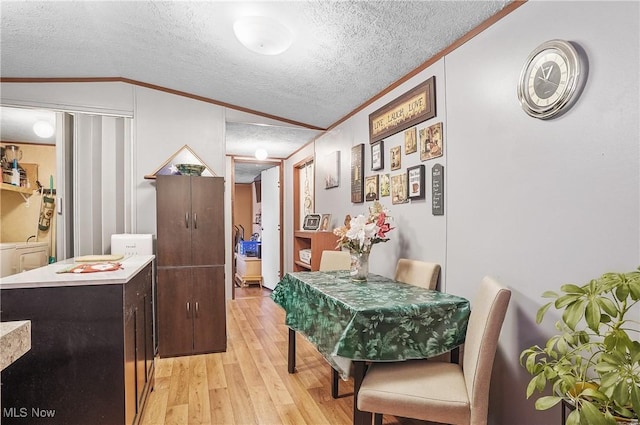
{"type": "Point", "coordinates": [207, 221]}
{"type": "Point", "coordinates": [271, 227]}
{"type": "Point", "coordinates": [209, 317]}
{"type": "Point", "coordinates": [174, 220]}
{"type": "Point", "coordinates": [175, 311]}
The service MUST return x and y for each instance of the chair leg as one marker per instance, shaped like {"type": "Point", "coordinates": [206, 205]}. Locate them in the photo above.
{"type": "Point", "coordinates": [377, 419]}
{"type": "Point", "coordinates": [335, 379]}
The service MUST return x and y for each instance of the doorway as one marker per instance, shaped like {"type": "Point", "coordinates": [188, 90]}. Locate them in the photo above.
{"type": "Point", "coordinates": [249, 219]}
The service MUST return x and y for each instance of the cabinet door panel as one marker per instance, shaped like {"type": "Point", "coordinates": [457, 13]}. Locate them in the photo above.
{"type": "Point", "coordinates": [174, 220]}
{"type": "Point", "coordinates": [207, 203]}
{"type": "Point", "coordinates": [130, 396]}
{"type": "Point", "coordinates": [210, 328]}
{"type": "Point", "coordinates": [175, 312]}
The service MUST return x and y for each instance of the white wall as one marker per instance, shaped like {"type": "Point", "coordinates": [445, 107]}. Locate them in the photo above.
{"type": "Point", "coordinates": [540, 203]}
{"type": "Point", "coordinates": [533, 203]}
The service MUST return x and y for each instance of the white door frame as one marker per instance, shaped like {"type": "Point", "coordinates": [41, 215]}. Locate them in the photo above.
{"type": "Point", "coordinates": [274, 162]}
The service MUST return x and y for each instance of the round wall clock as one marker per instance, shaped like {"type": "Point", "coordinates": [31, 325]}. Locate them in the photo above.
{"type": "Point", "coordinates": [551, 79]}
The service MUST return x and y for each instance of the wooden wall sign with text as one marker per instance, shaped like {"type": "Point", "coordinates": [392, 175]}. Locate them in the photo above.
{"type": "Point", "coordinates": [357, 174]}
{"type": "Point", "coordinates": [413, 107]}
{"type": "Point", "coordinates": [437, 190]}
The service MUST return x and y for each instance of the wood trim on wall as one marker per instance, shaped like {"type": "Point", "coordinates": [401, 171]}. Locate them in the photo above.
{"type": "Point", "coordinates": [159, 88]}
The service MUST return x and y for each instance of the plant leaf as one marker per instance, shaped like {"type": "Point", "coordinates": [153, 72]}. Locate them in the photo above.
{"type": "Point", "coordinates": [592, 415]}
{"type": "Point", "coordinates": [635, 398]}
{"type": "Point", "coordinates": [592, 315]}
{"type": "Point", "coordinates": [547, 402]}
{"type": "Point", "coordinates": [608, 306]}
{"type": "Point", "coordinates": [570, 288]}
{"type": "Point", "coordinates": [573, 314]}
{"type": "Point", "coordinates": [532, 386]}
{"type": "Point", "coordinates": [541, 312]}
{"type": "Point", "coordinates": [573, 418]}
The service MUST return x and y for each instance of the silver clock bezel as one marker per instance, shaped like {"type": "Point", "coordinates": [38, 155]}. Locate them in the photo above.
{"type": "Point", "coordinates": [574, 82]}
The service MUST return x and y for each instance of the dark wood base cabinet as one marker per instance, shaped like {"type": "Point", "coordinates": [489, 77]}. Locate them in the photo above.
{"type": "Point", "coordinates": [191, 311]}
{"type": "Point", "coordinates": [91, 357]}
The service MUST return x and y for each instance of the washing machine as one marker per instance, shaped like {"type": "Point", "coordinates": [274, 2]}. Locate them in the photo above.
{"type": "Point", "coordinates": [31, 255]}
{"type": "Point", "coordinates": [7, 254]}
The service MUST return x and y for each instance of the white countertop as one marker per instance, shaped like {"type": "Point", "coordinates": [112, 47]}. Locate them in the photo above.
{"type": "Point", "coordinates": [15, 340]}
{"type": "Point", "coordinates": [47, 276]}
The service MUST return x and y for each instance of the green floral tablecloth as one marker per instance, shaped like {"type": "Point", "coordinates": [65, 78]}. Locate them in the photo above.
{"type": "Point", "coordinates": [376, 320]}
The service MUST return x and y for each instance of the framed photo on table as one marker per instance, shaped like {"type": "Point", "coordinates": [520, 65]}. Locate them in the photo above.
{"type": "Point", "coordinates": [325, 223]}
{"type": "Point", "coordinates": [377, 155]}
{"type": "Point", "coordinates": [415, 182]}
{"type": "Point", "coordinates": [311, 222]}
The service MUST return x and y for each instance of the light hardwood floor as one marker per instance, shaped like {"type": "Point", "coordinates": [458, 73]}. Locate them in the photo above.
{"type": "Point", "coordinates": [249, 383]}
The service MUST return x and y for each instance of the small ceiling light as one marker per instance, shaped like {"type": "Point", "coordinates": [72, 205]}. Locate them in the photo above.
{"type": "Point", "coordinates": [261, 154]}
{"type": "Point", "coordinates": [43, 129]}
{"type": "Point", "coordinates": [263, 35]}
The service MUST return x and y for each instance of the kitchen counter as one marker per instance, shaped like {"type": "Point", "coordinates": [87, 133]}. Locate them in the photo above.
{"type": "Point", "coordinates": [92, 353]}
{"type": "Point", "coordinates": [15, 340]}
{"type": "Point", "coordinates": [47, 276]}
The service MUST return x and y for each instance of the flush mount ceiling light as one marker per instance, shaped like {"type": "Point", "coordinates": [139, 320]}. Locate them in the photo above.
{"type": "Point", "coordinates": [43, 129]}
{"type": "Point", "coordinates": [263, 35]}
{"type": "Point", "coordinates": [261, 154]}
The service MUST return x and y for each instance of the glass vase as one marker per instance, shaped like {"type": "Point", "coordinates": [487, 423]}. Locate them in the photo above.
{"type": "Point", "coordinates": [359, 265]}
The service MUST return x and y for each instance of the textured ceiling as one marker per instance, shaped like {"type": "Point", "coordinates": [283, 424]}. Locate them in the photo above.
{"type": "Point", "coordinates": [343, 53]}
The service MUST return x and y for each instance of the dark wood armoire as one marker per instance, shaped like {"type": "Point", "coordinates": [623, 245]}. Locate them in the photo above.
{"type": "Point", "coordinates": [191, 260]}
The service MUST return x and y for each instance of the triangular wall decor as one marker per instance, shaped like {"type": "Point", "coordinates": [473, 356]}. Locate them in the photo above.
{"type": "Point", "coordinates": [183, 156]}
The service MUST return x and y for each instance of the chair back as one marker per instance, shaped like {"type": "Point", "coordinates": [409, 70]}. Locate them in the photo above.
{"type": "Point", "coordinates": [419, 273]}
{"type": "Point", "coordinates": [334, 260]}
{"type": "Point", "coordinates": [485, 322]}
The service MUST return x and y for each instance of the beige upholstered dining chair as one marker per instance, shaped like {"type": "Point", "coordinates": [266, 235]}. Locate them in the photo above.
{"type": "Point", "coordinates": [438, 391]}
{"type": "Point", "coordinates": [414, 272]}
{"type": "Point", "coordinates": [419, 273]}
{"type": "Point", "coordinates": [334, 260]}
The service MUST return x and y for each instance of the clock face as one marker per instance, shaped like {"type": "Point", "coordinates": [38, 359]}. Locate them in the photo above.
{"type": "Point", "coordinates": [549, 79]}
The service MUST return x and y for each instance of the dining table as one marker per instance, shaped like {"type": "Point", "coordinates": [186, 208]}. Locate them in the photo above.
{"type": "Point", "coordinates": [352, 323]}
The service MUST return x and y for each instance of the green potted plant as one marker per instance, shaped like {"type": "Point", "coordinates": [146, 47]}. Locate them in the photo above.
{"type": "Point", "coordinates": [593, 363]}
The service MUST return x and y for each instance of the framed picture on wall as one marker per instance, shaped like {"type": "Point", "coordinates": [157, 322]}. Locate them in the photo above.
{"type": "Point", "coordinates": [385, 185]}
{"type": "Point", "coordinates": [413, 107]}
{"type": "Point", "coordinates": [371, 186]}
{"type": "Point", "coordinates": [431, 142]}
{"type": "Point", "coordinates": [410, 141]}
{"type": "Point", "coordinates": [357, 174]}
{"type": "Point", "coordinates": [396, 161]}
{"type": "Point", "coordinates": [415, 182]}
{"type": "Point", "coordinates": [399, 189]}
{"type": "Point", "coordinates": [377, 155]}
{"type": "Point", "coordinates": [332, 170]}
